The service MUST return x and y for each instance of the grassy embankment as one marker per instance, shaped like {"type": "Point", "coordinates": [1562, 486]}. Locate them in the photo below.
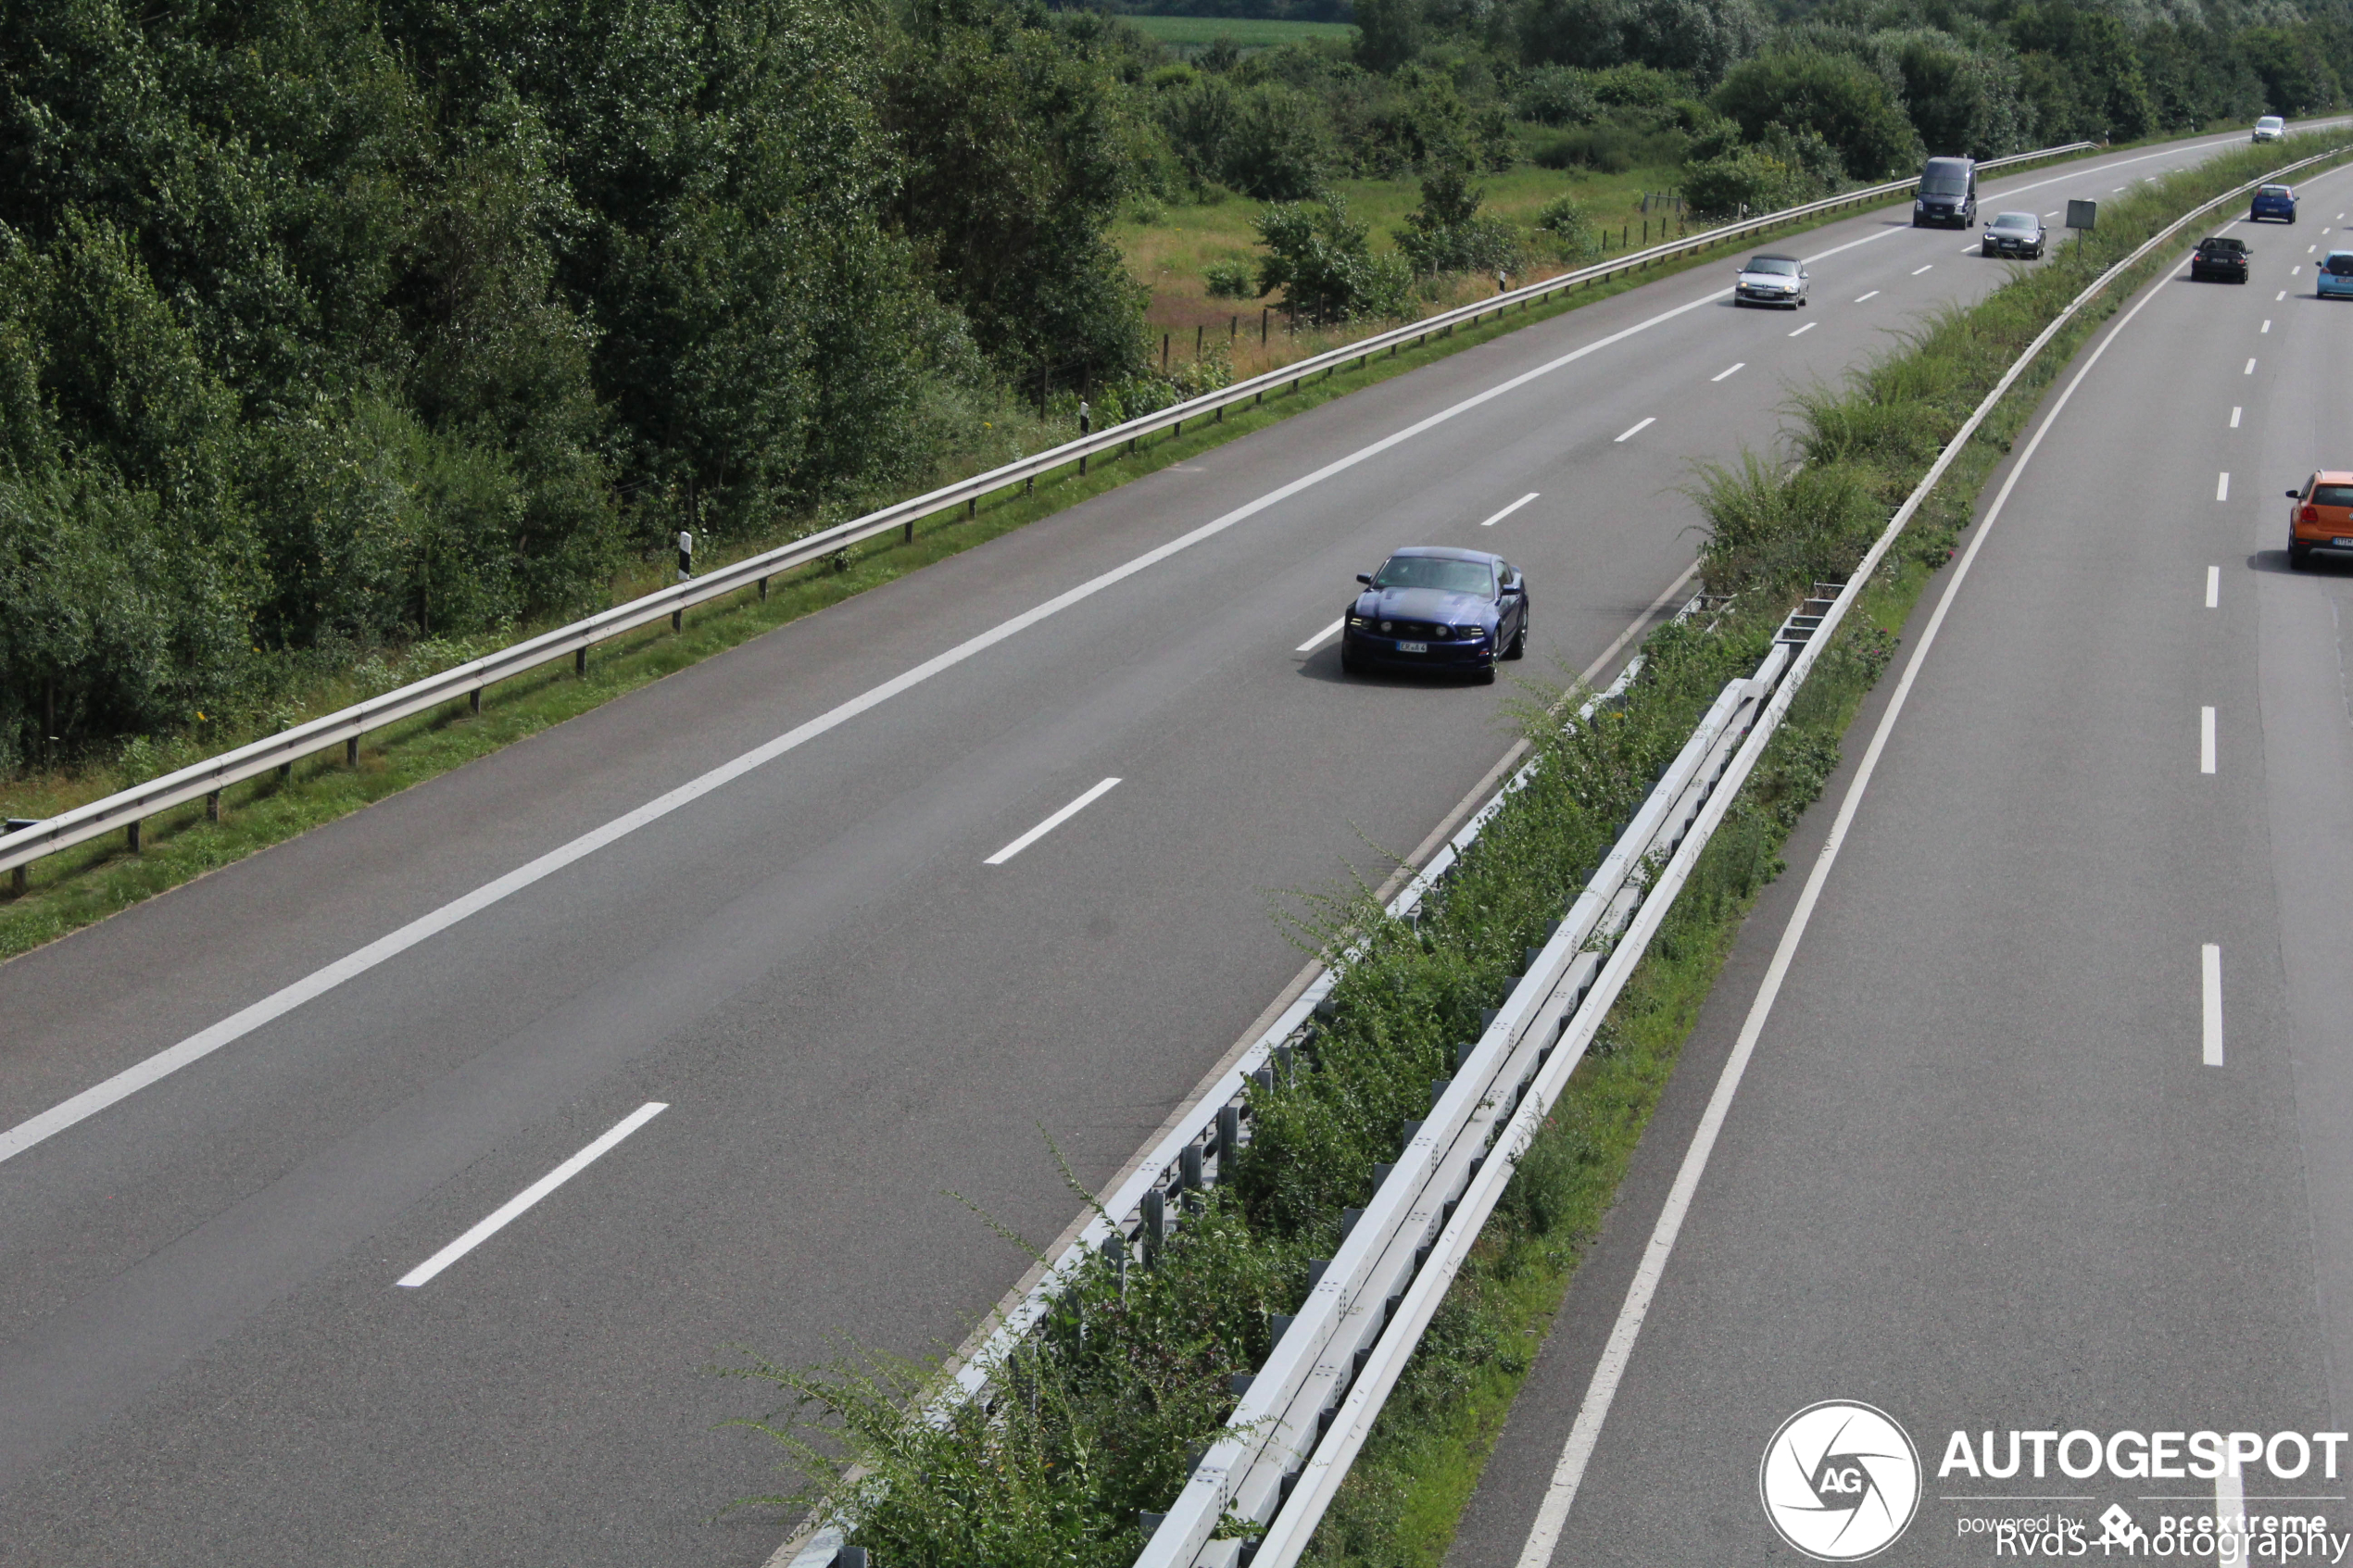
{"type": "Point", "coordinates": [1191, 35]}
{"type": "Point", "coordinates": [1133, 1373]}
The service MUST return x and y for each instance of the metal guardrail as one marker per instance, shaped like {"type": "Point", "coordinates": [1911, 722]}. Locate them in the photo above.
{"type": "Point", "coordinates": [124, 811]}
{"type": "Point", "coordinates": [1286, 1468]}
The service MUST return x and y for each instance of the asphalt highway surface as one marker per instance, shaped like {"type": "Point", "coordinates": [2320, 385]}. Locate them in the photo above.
{"type": "Point", "coordinates": [2042, 1120]}
{"type": "Point", "coordinates": [425, 1165]}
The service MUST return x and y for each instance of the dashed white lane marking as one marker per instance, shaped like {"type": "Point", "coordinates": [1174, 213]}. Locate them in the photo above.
{"type": "Point", "coordinates": [1647, 423]}
{"type": "Point", "coordinates": [2210, 985]}
{"type": "Point", "coordinates": [1873, 295]}
{"type": "Point", "coordinates": [1510, 510]}
{"type": "Point", "coordinates": [2206, 740]}
{"type": "Point", "coordinates": [2222, 487]}
{"type": "Point", "coordinates": [1972, 249]}
{"type": "Point", "coordinates": [1721, 374]}
{"type": "Point", "coordinates": [2234, 415]}
{"type": "Point", "coordinates": [2310, 249]}
{"type": "Point", "coordinates": [1806, 328]}
{"type": "Point", "coordinates": [2120, 188]}
{"type": "Point", "coordinates": [2281, 296]}
{"type": "Point", "coordinates": [2293, 271]}
{"type": "Point", "coordinates": [1050, 823]}
{"type": "Point", "coordinates": [2213, 587]}
{"type": "Point", "coordinates": [505, 1213]}
{"type": "Point", "coordinates": [1917, 270]}
{"type": "Point", "coordinates": [2266, 324]}
{"type": "Point", "coordinates": [2251, 368]}
{"type": "Point", "coordinates": [2052, 213]}
{"type": "Point", "coordinates": [1311, 644]}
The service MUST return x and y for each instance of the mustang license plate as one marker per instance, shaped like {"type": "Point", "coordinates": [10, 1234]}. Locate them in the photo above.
{"type": "Point", "coordinates": [1413, 647]}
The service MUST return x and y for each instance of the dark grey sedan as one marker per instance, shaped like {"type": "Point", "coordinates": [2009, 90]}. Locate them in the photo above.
{"type": "Point", "coordinates": [2014, 233]}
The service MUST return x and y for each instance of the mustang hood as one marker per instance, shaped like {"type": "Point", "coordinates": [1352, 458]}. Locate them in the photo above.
{"type": "Point", "coordinates": [1426, 604]}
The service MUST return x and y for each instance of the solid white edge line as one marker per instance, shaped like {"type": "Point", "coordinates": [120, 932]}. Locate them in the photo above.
{"type": "Point", "coordinates": [38, 1129]}
{"type": "Point", "coordinates": [1584, 1435]}
{"type": "Point", "coordinates": [1510, 510]}
{"type": "Point", "coordinates": [500, 1217]}
{"type": "Point", "coordinates": [2206, 740]}
{"type": "Point", "coordinates": [2213, 587]}
{"type": "Point", "coordinates": [1050, 823]}
{"type": "Point", "coordinates": [2209, 966]}
{"type": "Point", "coordinates": [1806, 328]}
{"type": "Point", "coordinates": [1739, 364]}
{"type": "Point", "coordinates": [1311, 644]}
{"type": "Point", "coordinates": [2222, 487]}
{"type": "Point", "coordinates": [1646, 423]}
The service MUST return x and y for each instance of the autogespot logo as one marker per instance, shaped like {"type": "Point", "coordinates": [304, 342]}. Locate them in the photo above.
{"type": "Point", "coordinates": [1840, 1481]}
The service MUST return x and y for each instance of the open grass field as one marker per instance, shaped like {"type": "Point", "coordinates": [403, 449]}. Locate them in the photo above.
{"type": "Point", "coordinates": [1169, 250]}
{"type": "Point", "coordinates": [1190, 33]}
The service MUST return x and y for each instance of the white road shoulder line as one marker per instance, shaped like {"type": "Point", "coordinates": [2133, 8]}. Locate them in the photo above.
{"type": "Point", "coordinates": [1510, 510]}
{"type": "Point", "coordinates": [1552, 1515]}
{"type": "Point", "coordinates": [1735, 369]}
{"type": "Point", "coordinates": [2213, 587]}
{"type": "Point", "coordinates": [2209, 966]}
{"type": "Point", "coordinates": [1639, 429]}
{"type": "Point", "coordinates": [1319, 638]}
{"type": "Point", "coordinates": [1050, 823]}
{"type": "Point", "coordinates": [1860, 298]}
{"type": "Point", "coordinates": [505, 1213]}
{"type": "Point", "coordinates": [1806, 328]}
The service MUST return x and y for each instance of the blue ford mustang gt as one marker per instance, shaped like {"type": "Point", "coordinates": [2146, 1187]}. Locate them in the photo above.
{"type": "Point", "coordinates": [1429, 608]}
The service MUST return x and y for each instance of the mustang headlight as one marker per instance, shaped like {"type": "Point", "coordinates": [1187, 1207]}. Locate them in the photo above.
{"type": "Point", "coordinates": [1469, 631]}
{"type": "Point", "coordinates": [1357, 621]}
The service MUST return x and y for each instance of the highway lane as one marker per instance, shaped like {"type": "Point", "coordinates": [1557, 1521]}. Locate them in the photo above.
{"type": "Point", "coordinates": [2002, 1159]}
{"type": "Point", "coordinates": [845, 1008]}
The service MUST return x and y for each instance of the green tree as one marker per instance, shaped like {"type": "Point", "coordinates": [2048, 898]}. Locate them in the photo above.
{"type": "Point", "coordinates": [1835, 96]}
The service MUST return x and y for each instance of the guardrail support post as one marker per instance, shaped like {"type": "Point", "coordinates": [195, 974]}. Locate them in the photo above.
{"type": "Point", "coordinates": [131, 835]}
{"type": "Point", "coordinates": [1156, 1225]}
{"type": "Point", "coordinates": [351, 752]}
{"type": "Point", "coordinates": [580, 660]}
{"type": "Point", "coordinates": [764, 590]}
{"type": "Point", "coordinates": [212, 806]}
{"type": "Point", "coordinates": [473, 702]}
{"type": "Point", "coordinates": [1229, 1141]}
{"type": "Point", "coordinates": [18, 881]}
{"type": "Point", "coordinates": [678, 619]}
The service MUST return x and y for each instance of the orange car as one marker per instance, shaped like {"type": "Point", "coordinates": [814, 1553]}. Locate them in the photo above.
{"type": "Point", "coordinates": [2322, 517]}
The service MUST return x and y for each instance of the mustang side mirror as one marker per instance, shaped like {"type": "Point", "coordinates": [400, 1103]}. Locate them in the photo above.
{"type": "Point", "coordinates": [1365, 578]}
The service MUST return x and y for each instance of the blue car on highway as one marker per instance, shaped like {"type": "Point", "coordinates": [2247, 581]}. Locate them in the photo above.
{"type": "Point", "coordinates": [2335, 276]}
{"type": "Point", "coordinates": [1433, 607]}
{"type": "Point", "coordinates": [2273, 201]}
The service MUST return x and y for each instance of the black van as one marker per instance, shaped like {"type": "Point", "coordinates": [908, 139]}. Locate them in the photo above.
{"type": "Point", "coordinates": [1949, 193]}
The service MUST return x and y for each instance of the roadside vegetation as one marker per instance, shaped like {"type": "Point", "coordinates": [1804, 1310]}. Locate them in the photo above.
{"type": "Point", "coordinates": [1095, 1419]}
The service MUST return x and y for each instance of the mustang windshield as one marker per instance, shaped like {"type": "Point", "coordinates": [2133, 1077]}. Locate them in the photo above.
{"type": "Point", "coordinates": [1436, 572]}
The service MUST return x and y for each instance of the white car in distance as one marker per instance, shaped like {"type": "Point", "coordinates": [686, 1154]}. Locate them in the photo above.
{"type": "Point", "coordinates": [1771, 279]}
{"type": "Point", "coordinates": [2271, 127]}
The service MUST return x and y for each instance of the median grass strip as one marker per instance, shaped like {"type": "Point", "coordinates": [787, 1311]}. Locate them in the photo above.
{"type": "Point", "coordinates": [76, 887]}
{"type": "Point", "coordinates": [1096, 1418]}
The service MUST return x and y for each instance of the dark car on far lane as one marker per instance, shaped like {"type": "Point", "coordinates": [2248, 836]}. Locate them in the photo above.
{"type": "Point", "coordinates": [2220, 256]}
{"type": "Point", "coordinates": [2273, 201]}
{"type": "Point", "coordinates": [2014, 233]}
{"type": "Point", "coordinates": [1432, 607]}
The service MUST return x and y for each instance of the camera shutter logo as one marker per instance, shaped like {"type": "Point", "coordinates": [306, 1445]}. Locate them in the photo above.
{"type": "Point", "coordinates": [1840, 1481]}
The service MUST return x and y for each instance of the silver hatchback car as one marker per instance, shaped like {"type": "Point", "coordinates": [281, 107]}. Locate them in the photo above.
{"type": "Point", "coordinates": [1771, 279]}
